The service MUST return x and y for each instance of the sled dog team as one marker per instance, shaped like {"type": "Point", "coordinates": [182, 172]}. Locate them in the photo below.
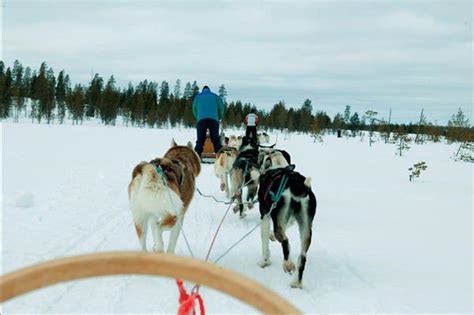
{"type": "Point", "coordinates": [161, 191]}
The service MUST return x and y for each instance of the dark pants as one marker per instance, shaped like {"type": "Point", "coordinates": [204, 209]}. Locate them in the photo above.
{"type": "Point", "coordinates": [251, 132]}
{"type": "Point", "coordinates": [202, 126]}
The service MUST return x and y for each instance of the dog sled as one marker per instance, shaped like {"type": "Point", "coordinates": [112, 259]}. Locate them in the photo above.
{"type": "Point", "coordinates": [208, 156]}
{"type": "Point", "coordinates": [137, 263]}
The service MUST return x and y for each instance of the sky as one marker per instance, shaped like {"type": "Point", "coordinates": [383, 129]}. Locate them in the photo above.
{"type": "Point", "coordinates": [380, 55]}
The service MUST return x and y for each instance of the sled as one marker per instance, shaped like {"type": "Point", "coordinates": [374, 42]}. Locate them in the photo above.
{"type": "Point", "coordinates": [208, 156]}
{"type": "Point", "coordinates": [139, 263]}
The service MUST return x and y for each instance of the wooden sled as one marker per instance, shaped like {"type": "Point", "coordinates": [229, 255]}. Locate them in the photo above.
{"type": "Point", "coordinates": [139, 263]}
{"type": "Point", "coordinates": [208, 156]}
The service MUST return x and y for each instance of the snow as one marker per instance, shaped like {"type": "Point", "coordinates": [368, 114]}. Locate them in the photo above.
{"type": "Point", "coordinates": [25, 200]}
{"type": "Point", "coordinates": [380, 242]}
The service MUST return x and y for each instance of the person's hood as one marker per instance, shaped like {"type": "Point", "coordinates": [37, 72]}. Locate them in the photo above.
{"type": "Point", "coordinates": [206, 90]}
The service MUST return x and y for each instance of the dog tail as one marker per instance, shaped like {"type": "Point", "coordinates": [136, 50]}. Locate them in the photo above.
{"type": "Point", "coordinates": [307, 182]}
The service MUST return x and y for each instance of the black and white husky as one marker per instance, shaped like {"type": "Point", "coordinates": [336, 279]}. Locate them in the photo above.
{"type": "Point", "coordinates": [294, 201]}
{"type": "Point", "coordinates": [244, 174]}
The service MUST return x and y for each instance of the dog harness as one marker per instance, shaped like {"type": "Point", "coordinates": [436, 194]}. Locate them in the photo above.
{"type": "Point", "coordinates": [161, 170]}
{"type": "Point", "coordinates": [273, 192]}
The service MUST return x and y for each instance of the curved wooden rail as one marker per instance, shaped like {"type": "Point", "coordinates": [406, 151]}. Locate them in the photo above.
{"type": "Point", "coordinates": [115, 263]}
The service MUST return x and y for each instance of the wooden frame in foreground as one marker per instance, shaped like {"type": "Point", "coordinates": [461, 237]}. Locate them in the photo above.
{"type": "Point", "coordinates": [140, 263]}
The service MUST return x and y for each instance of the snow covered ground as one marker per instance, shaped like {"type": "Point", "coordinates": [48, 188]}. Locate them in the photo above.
{"type": "Point", "coordinates": [380, 242]}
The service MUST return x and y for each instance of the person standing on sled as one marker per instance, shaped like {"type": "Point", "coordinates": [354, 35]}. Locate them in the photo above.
{"type": "Point", "coordinates": [208, 109]}
{"type": "Point", "coordinates": [251, 121]}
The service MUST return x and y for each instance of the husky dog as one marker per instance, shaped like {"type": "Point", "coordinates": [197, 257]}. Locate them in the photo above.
{"type": "Point", "coordinates": [263, 137]}
{"type": "Point", "coordinates": [223, 165]}
{"type": "Point", "coordinates": [296, 202]}
{"type": "Point", "coordinates": [160, 193]}
{"type": "Point", "coordinates": [270, 157]}
{"type": "Point", "coordinates": [245, 173]}
{"type": "Point", "coordinates": [235, 141]}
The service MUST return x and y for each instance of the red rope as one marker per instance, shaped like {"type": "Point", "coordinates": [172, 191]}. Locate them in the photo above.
{"type": "Point", "coordinates": [217, 232]}
{"type": "Point", "coordinates": [186, 301]}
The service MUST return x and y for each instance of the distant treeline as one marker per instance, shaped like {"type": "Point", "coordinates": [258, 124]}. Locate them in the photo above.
{"type": "Point", "coordinates": [152, 104]}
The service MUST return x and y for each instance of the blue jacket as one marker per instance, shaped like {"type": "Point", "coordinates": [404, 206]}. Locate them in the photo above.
{"type": "Point", "coordinates": [208, 105]}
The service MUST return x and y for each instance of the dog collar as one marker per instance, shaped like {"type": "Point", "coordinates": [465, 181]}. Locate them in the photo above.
{"type": "Point", "coordinates": [160, 171]}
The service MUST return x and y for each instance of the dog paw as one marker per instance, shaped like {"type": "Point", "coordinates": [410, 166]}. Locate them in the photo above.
{"type": "Point", "coordinates": [222, 187]}
{"type": "Point", "coordinates": [264, 263]}
{"type": "Point", "coordinates": [250, 205]}
{"type": "Point", "coordinates": [272, 237]}
{"type": "Point", "coordinates": [236, 209]}
{"type": "Point", "coordinates": [295, 284]}
{"type": "Point", "coordinates": [288, 266]}
{"type": "Point", "coordinates": [242, 215]}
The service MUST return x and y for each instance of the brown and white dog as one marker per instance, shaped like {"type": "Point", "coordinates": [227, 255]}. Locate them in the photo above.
{"type": "Point", "coordinates": [160, 193]}
{"type": "Point", "coordinates": [223, 165]}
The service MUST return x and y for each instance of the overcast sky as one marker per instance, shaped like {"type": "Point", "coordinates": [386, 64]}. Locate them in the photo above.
{"type": "Point", "coordinates": [404, 55]}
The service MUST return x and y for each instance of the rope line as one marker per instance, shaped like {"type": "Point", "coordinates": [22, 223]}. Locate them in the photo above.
{"type": "Point", "coordinates": [217, 232]}
{"type": "Point", "coordinates": [275, 198]}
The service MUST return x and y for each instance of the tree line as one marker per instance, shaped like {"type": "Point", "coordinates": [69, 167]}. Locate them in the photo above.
{"type": "Point", "coordinates": [54, 98]}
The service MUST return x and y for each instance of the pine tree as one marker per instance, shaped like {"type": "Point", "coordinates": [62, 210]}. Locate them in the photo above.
{"type": "Point", "coordinates": [316, 131]}
{"type": "Point", "coordinates": [384, 129]}
{"type": "Point", "coordinates": [290, 120]}
{"type": "Point", "coordinates": [76, 104]}
{"type": "Point", "coordinates": [337, 123]}
{"type": "Point", "coordinates": [322, 120]}
{"type": "Point", "coordinates": [354, 123]}
{"type": "Point", "coordinates": [194, 89]}
{"type": "Point", "coordinates": [61, 96]}
{"type": "Point", "coordinates": [306, 116]}
{"type": "Point", "coordinates": [17, 88]}
{"type": "Point", "coordinates": [127, 104]}
{"type": "Point", "coordinates": [177, 90]}
{"type": "Point", "coordinates": [3, 91]}
{"type": "Point", "coordinates": [347, 115]}
{"type": "Point", "coordinates": [26, 83]}
{"type": "Point", "coordinates": [51, 102]}
{"type": "Point", "coordinates": [163, 103]}
{"type": "Point", "coordinates": [41, 90]}
{"type": "Point", "coordinates": [278, 116]}
{"type": "Point", "coordinates": [458, 127]}
{"type": "Point", "coordinates": [150, 103]}
{"type": "Point", "coordinates": [223, 93]}
{"type": "Point", "coordinates": [94, 96]}
{"type": "Point", "coordinates": [459, 119]}
{"type": "Point", "coordinates": [370, 114]}
{"type": "Point", "coordinates": [401, 139]}
{"type": "Point", "coordinates": [188, 92]}
{"type": "Point", "coordinates": [110, 102]}
{"type": "Point", "coordinates": [421, 128]}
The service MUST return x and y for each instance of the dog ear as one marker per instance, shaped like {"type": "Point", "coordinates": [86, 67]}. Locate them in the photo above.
{"type": "Point", "coordinates": [173, 143]}
{"type": "Point", "coordinates": [190, 145]}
